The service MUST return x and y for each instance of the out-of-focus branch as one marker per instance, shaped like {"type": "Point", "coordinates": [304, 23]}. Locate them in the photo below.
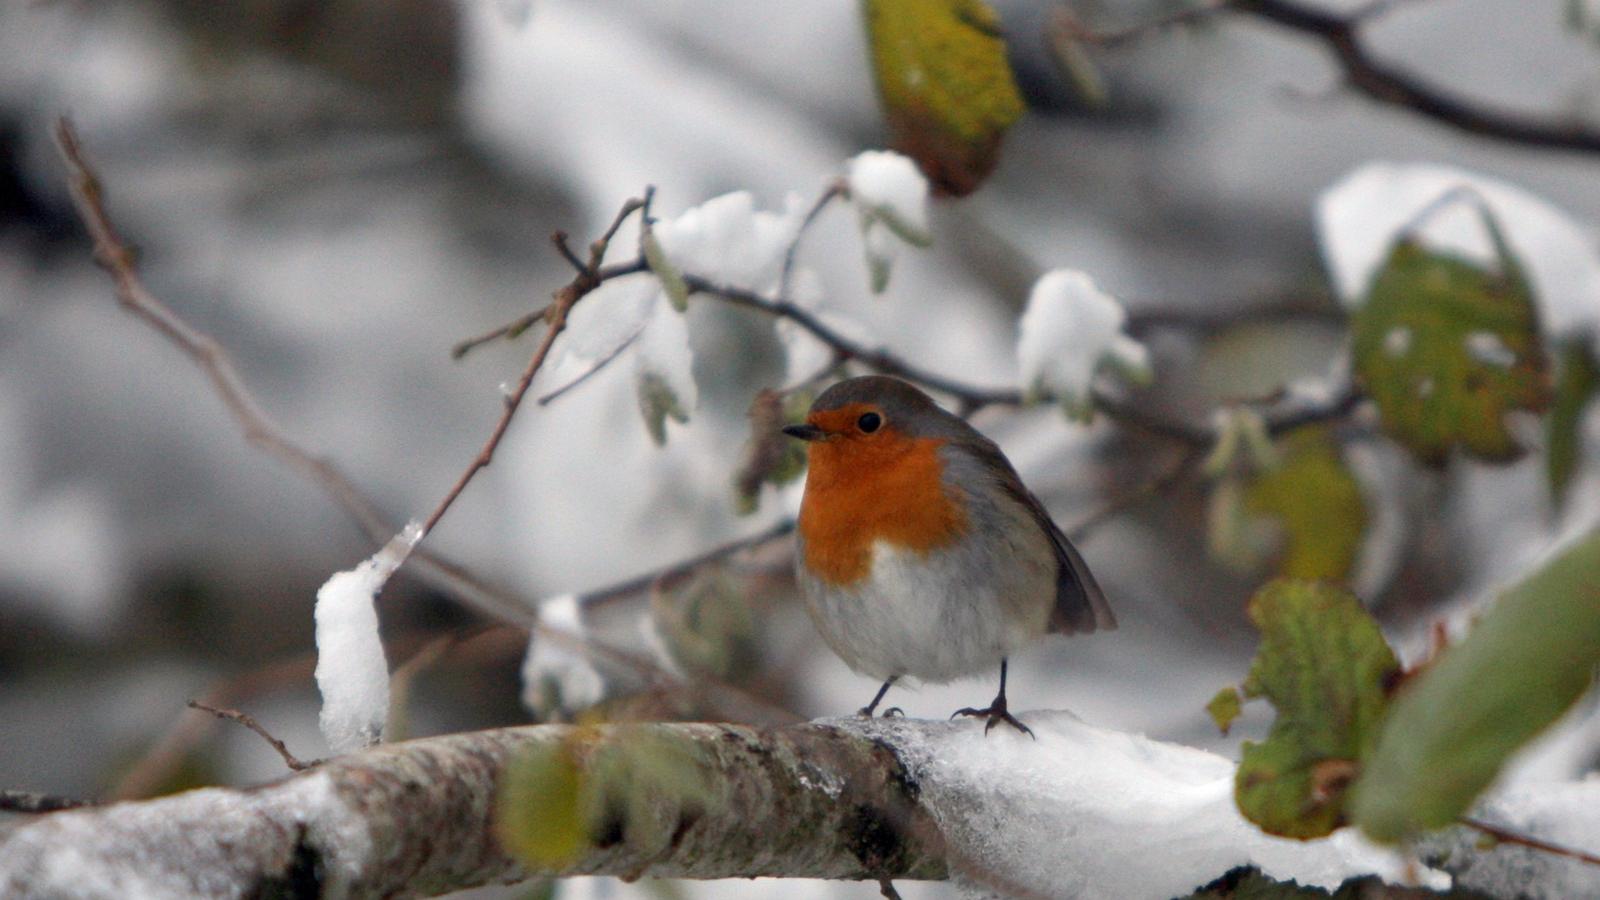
{"type": "Point", "coordinates": [31, 802]}
{"type": "Point", "coordinates": [1394, 86]}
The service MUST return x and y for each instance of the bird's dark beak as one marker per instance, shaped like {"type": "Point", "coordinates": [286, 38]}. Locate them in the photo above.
{"type": "Point", "coordinates": [806, 432]}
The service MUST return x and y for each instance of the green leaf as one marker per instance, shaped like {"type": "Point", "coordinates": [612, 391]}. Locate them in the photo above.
{"type": "Point", "coordinates": [1452, 727]}
{"type": "Point", "coordinates": [1318, 504]}
{"type": "Point", "coordinates": [657, 403]}
{"type": "Point", "coordinates": [1225, 707]}
{"type": "Point", "coordinates": [1325, 666]}
{"type": "Point", "coordinates": [672, 283]}
{"type": "Point", "coordinates": [1447, 348]}
{"type": "Point", "coordinates": [538, 817]}
{"type": "Point", "coordinates": [620, 785]}
{"type": "Point", "coordinates": [709, 625]}
{"type": "Point", "coordinates": [1576, 386]}
{"type": "Point", "coordinates": [945, 85]}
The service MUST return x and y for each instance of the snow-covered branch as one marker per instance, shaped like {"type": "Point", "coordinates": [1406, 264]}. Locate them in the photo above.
{"type": "Point", "coordinates": [1078, 809]}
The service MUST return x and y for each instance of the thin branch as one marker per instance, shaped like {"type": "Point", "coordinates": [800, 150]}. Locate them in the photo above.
{"type": "Point", "coordinates": [1506, 836]}
{"type": "Point", "coordinates": [593, 370]}
{"type": "Point", "coordinates": [642, 583]}
{"type": "Point", "coordinates": [587, 279]}
{"type": "Point", "coordinates": [835, 189]}
{"type": "Point", "coordinates": [510, 330]}
{"type": "Point", "coordinates": [1395, 86]}
{"type": "Point", "coordinates": [249, 721]}
{"type": "Point", "coordinates": [1154, 486]}
{"type": "Point", "coordinates": [30, 802]}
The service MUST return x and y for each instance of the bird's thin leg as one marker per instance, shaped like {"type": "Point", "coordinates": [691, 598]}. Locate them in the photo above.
{"type": "Point", "coordinates": [996, 713]}
{"type": "Point", "coordinates": [866, 711]}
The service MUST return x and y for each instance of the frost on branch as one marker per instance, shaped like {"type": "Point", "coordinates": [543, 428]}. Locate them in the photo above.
{"type": "Point", "coordinates": [557, 676]}
{"type": "Point", "coordinates": [1069, 333]}
{"type": "Point", "coordinates": [891, 197]}
{"type": "Point", "coordinates": [352, 673]}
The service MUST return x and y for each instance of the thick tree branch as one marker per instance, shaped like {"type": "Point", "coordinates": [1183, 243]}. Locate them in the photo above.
{"type": "Point", "coordinates": [417, 818]}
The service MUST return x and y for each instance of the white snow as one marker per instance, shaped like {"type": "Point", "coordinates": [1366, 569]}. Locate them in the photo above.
{"type": "Point", "coordinates": [1070, 330]}
{"type": "Point", "coordinates": [1487, 348]}
{"type": "Point", "coordinates": [891, 197]}
{"type": "Point", "coordinates": [352, 673]}
{"type": "Point", "coordinates": [1565, 814]}
{"type": "Point", "coordinates": [889, 186]}
{"type": "Point", "coordinates": [556, 674]}
{"type": "Point", "coordinates": [1359, 218]}
{"type": "Point", "coordinates": [1085, 811]}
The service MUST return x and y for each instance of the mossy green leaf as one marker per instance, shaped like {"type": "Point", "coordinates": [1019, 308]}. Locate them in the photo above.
{"type": "Point", "coordinates": [1317, 502]}
{"type": "Point", "coordinates": [1576, 384]}
{"type": "Point", "coordinates": [947, 90]}
{"type": "Point", "coordinates": [1452, 727]}
{"type": "Point", "coordinates": [1446, 348]}
{"type": "Point", "coordinates": [708, 624]}
{"type": "Point", "coordinates": [770, 456]}
{"type": "Point", "coordinates": [1325, 667]}
{"type": "Point", "coordinates": [658, 403]}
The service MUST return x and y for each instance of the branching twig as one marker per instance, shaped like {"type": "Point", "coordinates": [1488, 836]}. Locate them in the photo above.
{"type": "Point", "coordinates": [233, 715]}
{"type": "Point", "coordinates": [512, 329]}
{"type": "Point", "coordinates": [555, 317]}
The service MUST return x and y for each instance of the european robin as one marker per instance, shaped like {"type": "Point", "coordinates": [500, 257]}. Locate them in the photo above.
{"type": "Point", "coordinates": [920, 551]}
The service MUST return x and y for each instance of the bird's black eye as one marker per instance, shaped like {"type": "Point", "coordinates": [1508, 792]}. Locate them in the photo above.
{"type": "Point", "coordinates": [869, 422]}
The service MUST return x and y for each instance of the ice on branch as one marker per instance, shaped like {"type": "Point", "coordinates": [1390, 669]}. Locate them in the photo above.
{"type": "Point", "coordinates": [352, 673]}
{"type": "Point", "coordinates": [557, 676]}
{"type": "Point", "coordinates": [725, 241]}
{"type": "Point", "coordinates": [1146, 819]}
{"type": "Point", "coordinates": [1360, 217]}
{"type": "Point", "coordinates": [891, 196]}
{"type": "Point", "coordinates": [1070, 331]}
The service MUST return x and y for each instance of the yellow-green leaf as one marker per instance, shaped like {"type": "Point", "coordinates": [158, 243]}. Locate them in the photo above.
{"type": "Point", "coordinates": [657, 403]}
{"type": "Point", "coordinates": [946, 87]}
{"type": "Point", "coordinates": [672, 283]}
{"type": "Point", "coordinates": [539, 803]}
{"type": "Point", "coordinates": [1451, 728]}
{"type": "Point", "coordinates": [1325, 667]}
{"type": "Point", "coordinates": [1224, 708]}
{"type": "Point", "coordinates": [709, 622]}
{"type": "Point", "coordinates": [1575, 387]}
{"type": "Point", "coordinates": [1312, 495]}
{"type": "Point", "coordinates": [1446, 348]}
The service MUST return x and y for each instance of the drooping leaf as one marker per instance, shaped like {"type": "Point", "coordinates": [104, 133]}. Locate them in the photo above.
{"type": "Point", "coordinates": [1446, 348]}
{"type": "Point", "coordinates": [1575, 387]}
{"type": "Point", "coordinates": [657, 403]}
{"type": "Point", "coordinates": [672, 283]}
{"type": "Point", "coordinates": [709, 624]}
{"type": "Point", "coordinates": [946, 88]}
{"type": "Point", "coordinates": [1325, 667]}
{"type": "Point", "coordinates": [1225, 707]}
{"type": "Point", "coordinates": [1317, 502]}
{"type": "Point", "coordinates": [1451, 728]}
{"type": "Point", "coordinates": [770, 456]}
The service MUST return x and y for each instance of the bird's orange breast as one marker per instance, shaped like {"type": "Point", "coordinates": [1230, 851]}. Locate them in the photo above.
{"type": "Point", "coordinates": [859, 492]}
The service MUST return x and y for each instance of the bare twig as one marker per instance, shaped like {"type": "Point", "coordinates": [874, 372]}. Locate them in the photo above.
{"type": "Point", "coordinates": [30, 802]}
{"type": "Point", "coordinates": [593, 370]}
{"type": "Point", "coordinates": [512, 329]}
{"type": "Point", "coordinates": [1506, 836]}
{"type": "Point", "coordinates": [835, 189]}
{"type": "Point", "coordinates": [249, 721]}
{"type": "Point", "coordinates": [586, 280]}
{"type": "Point", "coordinates": [1162, 481]}
{"type": "Point", "coordinates": [642, 583]}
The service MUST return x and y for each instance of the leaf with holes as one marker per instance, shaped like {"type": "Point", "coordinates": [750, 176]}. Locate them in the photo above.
{"type": "Point", "coordinates": [1452, 727]}
{"type": "Point", "coordinates": [1325, 667]}
{"type": "Point", "coordinates": [1316, 502]}
{"type": "Point", "coordinates": [1447, 348]}
{"type": "Point", "coordinates": [946, 87]}
{"type": "Point", "coordinates": [1575, 387]}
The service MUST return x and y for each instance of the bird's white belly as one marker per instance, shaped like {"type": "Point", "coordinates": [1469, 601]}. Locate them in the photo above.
{"type": "Point", "coordinates": [934, 616]}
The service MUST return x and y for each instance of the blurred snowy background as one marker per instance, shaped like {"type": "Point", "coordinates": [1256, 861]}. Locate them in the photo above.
{"type": "Point", "coordinates": [340, 191]}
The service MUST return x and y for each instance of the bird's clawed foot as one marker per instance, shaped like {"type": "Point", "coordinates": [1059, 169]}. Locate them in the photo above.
{"type": "Point", "coordinates": [996, 713]}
